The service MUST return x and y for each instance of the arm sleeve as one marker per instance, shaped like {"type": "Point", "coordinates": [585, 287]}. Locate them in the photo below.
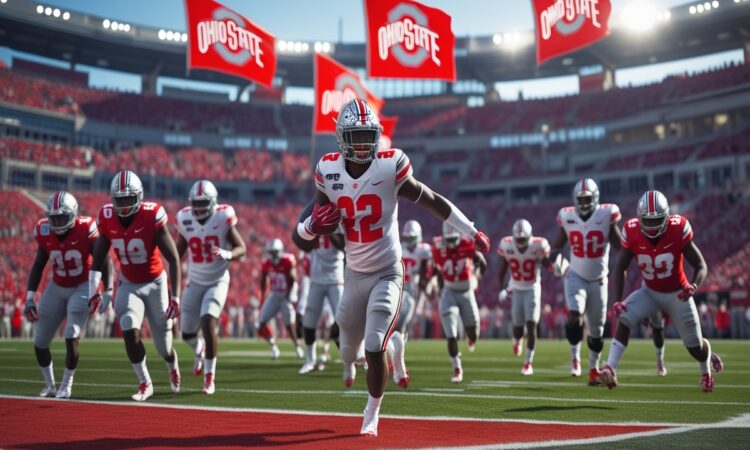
{"type": "Point", "coordinates": [231, 216]}
{"type": "Point", "coordinates": [624, 241]}
{"type": "Point", "coordinates": [161, 218]}
{"type": "Point", "coordinates": [615, 215]}
{"type": "Point", "coordinates": [93, 230]}
{"type": "Point", "coordinates": [403, 169]}
{"type": "Point", "coordinates": [319, 180]}
{"type": "Point", "coordinates": [686, 232]}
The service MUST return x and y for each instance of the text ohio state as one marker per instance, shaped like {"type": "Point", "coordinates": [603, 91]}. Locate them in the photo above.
{"type": "Point", "coordinates": [409, 34]}
{"type": "Point", "coordinates": [231, 35]}
{"type": "Point", "coordinates": [568, 10]}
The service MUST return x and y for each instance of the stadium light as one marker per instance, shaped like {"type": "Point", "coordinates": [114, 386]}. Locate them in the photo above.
{"type": "Point", "coordinates": [56, 12]}
{"type": "Point", "coordinates": [48, 11]}
{"type": "Point", "coordinates": [3, 1]}
{"type": "Point", "coordinates": [497, 39]}
{"type": "Point", "coordinates": [66, 15]}
{"type": "Point", "coordinates": [39, 9]}
{"type": "Point", "coordinates": [639, 16]}
{"type": "Point", "coordinates": [327, 47]}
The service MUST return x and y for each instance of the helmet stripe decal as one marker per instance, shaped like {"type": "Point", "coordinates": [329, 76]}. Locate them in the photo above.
{"type": "Point", "coordinates": [651, 201]}
{"type": "Point", "coordinates": [200, 189]}
{"type": "Point", "coordinates": [123, 176]}
{"type": "Point", "coordinates": [56, 202]}
{"type": "Point", "coordinates": [362, 111]}
{"type": "Point", "coordinates": [583, 185]}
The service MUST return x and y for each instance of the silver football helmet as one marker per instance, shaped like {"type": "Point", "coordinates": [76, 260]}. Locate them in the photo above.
{"type": "Point", "coordinates": [522, 233]}
{"type": "Point", "coordinates": [274, 249]}
{"type": "Point", "coordinates": [202, 197]}
{"type": "Point", "coordinates": [358, 131]}
{"type": "Point", "coordinates": [126, 191]}
{"type": "Point", "coordinates": [653, 212]}
{"type": "Point", "coordinates": [62, 209]}
{"type": "Point", "coordinates": [585, 196]}
{"type": "Point", "coordinates": [451, 235]}
{"type": "Point", "coordinates": [411, 235]}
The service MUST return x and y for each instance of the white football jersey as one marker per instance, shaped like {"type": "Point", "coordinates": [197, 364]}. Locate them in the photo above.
{"type": "Point", "coordinates": [369, 206]}
{"type": "Point", "coordinates": [524, 266]}
{"type": "Point", "coordinates": [589, 240]}
{"type": "Point", "coordinates": [326, 263]}
{"type": "Point", "coordinates": [206, 268]}
{"type": "Point", "coordinates": [412, 262]}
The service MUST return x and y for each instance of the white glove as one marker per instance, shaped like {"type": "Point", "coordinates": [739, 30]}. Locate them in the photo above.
{"type": "Point", "coordinates": [503, 295]}
{"type": "Point", "coordinates": [560, 266]}
{"type": "Point", "coordinates": [226, 255]}
{"type": "Point", "coordinates": [106, 300]}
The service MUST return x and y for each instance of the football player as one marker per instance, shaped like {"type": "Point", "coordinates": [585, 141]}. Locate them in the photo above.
{"type": "Point", "coordinates": [326, 285]}
{"type": "Point", "coordinates": [658, 241]}
{"type": "Point", "coordinates": [413, 251]}
{"type": "Point", "coordinates": [67, 239]}
{"type": "Point", "coordinates": [280, 268]}
{"type": "Point", "coordinates": [523, 253]}
{"type": "Point", "coordinates": [362, 185]}
{"type": "Point", "coordinates": [137, 232]}
{"type": "Point", "coordinates": [209, 230]}
{"type": "Point", "coordinates": [457, 261]}
{"type": "Point", "coordinates": [303, 288]}
{"type": "Point", "coordinates": [590, 228]}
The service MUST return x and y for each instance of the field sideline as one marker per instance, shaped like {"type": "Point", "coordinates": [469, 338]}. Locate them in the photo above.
{"type": "Point", "coordinates": [493, 391]}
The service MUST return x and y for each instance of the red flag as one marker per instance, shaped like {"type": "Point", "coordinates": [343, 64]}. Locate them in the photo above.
{"type": "Point", "coordinates": [389, 127]}
{"type": "Point", "coordinates": [566, 26]}
{"type": "Point", "coordinates": [334, 86]}
{"type": "Point", "coordinates": [406, 39]}
{"type": "Point", "coordinates": [222, 40]}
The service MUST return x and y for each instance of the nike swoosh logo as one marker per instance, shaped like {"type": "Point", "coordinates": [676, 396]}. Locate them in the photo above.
{"type": "Point", "coordinates": [74, 243]}
{"type": "Point", "coordinates": [669, 245]}
{"type": "Point", "coordinates": [215, 227]}
{"type": "Point", "coordinates": [138, 230]}
{"type": "Point", "coordinates": [375, 184]}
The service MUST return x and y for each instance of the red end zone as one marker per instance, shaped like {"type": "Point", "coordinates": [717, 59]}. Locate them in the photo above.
{"type": "Point", "coordinates": [30, 423]}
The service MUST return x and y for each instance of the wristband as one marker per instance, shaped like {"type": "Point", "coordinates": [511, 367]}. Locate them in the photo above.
{"type": "Point", "coordinates": [30, 296]}
{"type": "Point", "coordinates": [459, 221]}
{"type": "Point", "coordinates": [176, 299]}
{"type": "Point", "coordinates": [302, 230]}
{"type": "Point", "coordinates": [95, 277]}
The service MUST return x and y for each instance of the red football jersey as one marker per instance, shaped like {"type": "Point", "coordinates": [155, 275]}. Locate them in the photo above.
{"type": "Point", "coordinates": [135, 246]}
{"type": "Point", "coordinates": [660, 264]}
{"type": "Point", "coordinates": [455, 264]}
{"type": "Point", "coordinates": [279, 273]}
{"type": "Point", "coordinates": [71, 256]}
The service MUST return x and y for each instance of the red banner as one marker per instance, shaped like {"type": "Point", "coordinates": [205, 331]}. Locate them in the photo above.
{"type": "Point", "coordinates": [334, 86]}
{"type": "Point", "coordinates": [222, 40]}
{"type": "Point", "coordinates": [389, 127]}
{"type": "Point", "coordinates": [406, 39]}
{"type": "Point", "coordinates": [565, 26]}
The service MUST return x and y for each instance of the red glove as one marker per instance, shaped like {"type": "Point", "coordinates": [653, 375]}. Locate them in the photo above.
{"type": "Point", "coordinates": [619, 308]}
{"type": "Point", "coordinates": [687, 292]}
{"type": "Point", "coordinates": [482, 242]}
{"type": "Point", "coordinates": [94, 303]}
{"type": "Point", "coordinates": [173, 310]}
{"type": "Point", "coordinates": [324, 219]}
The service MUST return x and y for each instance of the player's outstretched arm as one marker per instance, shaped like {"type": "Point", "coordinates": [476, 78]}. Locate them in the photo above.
{"type": "Point", "coordinates": [239, 249]}
{"type": "Point", "coordinates": [695, 258]}
{"type": "Point", "coordinates": [624, 256]}
{"type": "Point", "coordinates": [615, 237]}
{"type": "Point", "coordinates": [558, 243]}
{"type": "Point", "coordinates": [169, 250]}
{"type": "Point", "coordinates": [443, 209]}
{"type": "Point", "coordinates": [181, 245]}
{"type": "Point", "coordinates": [99, 253]}
{"type": "Point", "coordinates": [35, 274]}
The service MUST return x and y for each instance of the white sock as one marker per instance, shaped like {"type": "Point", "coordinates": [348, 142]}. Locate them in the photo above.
{"type": "Point", "coordinates": [593, 359]}
{"type": "Point", "coordinates": [373, 403]}
{"type": "Point", "coordinates": [210, 365]}
{"type": "Point", "coordinates": [660, 354]}
{"type": "Point", "coordinates": [517, 341]}
{"type": "Point", "coordinates": [575, 351]}
{"type": "Point", "coordinates": [67, 380]}
{"type": "Point", "coordinates": [310, 351]}
{"type": "Point", "coordinates": [390, 348]}
{"type": "Point", "coordinates": [361, 351]}
{"type": "Point", "coordinates": [174, 363]}
{"type": "Point", "coordinates": [272, 342]}
{"type": "Point", "coordinates": [48, 374]}
{"type": "Point", "coordinates": [326, 347]}
{"type": "Point", "coordinates": [142, 372]}
{"type": "Point", "coordinates": [615, 353]}
{"type": "Point", "coordinates": [705, 365]}
{"type": "Point", "coordinates": [456, 361]}
{"type": "Point", "coordinates": [529, 355]}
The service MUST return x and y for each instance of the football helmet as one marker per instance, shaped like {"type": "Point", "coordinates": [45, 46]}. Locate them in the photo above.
{"type": "Point", "coordinates": [62, 209]}
{"type": "Point", "coordinates": [358, 131]}
{"type": "Point", "coordinates": [274, 249]}
{"type": "Point", "coordinates": [653, 212]}
{"type": "Point", "coordinates": [411, 234]}
{"type": "Point", "coordinates": [585, 196]}
{"type": "Point", "coordinates": [522, 233]}
{"type": "Point", "coordinates": [126, 191]}
{"type": "Point", "coordinates": [451, 235]}
{"type": "Point", "coordinates": [202, 199]}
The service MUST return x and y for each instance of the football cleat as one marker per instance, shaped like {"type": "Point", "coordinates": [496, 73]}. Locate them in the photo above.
{"type": "Point", "coordinates": [200, 353]}
{"type": "Point", "coordinates": [320, 366]}
{"type": "Point", "coordinates": [517, 348]}
{"type": "Point", "coordinates": [575, 368]}
{"type": "Point", "coordinates": [307, 368]}
{"type": "Point", "coordinates": [661, 369]}
{"type": "Point", "coordinates": [48, 391]}
{"type": "Point", "coordinates": [472, 346]}
{"type": "Point", "coordinates": [608, 377]}
{"type": "Point", "coordinates": [174, 379]}
{"type": "Point", "coordinates": [400, 374]}
{"type": "Point", "coordinates": [527, 369]}
{"type": "Point", "coordinates": [145, 390]}
{"type": "Point", "coordinates": [707, 382]}
{"type": "Point", "coordinates": [208, 384]}
{"type": "Point", "coordinates": [594, 377]}
{"type": "Point", "coordinates": [275, 353]}
{"type": "Point", "coordinates": [350, 373]}
{"type": "Point", "coordinates": [300, 352]}
{"type": "Point", "coordinates": [369, 423]}
{"type": "Point", "coordinates": [716, 363]}
{"type": "Point", "coordinates": [458, 375]}
{"type": "Point", "coordinates": [63, 392]}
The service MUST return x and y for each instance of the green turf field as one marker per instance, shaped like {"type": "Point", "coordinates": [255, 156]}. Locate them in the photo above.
{"type": "Point", "coordinates": [493, 386]}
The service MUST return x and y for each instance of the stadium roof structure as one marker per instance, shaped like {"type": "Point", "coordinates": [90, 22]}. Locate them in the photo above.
{"type": "Point", "coordinates": [31, 27]}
